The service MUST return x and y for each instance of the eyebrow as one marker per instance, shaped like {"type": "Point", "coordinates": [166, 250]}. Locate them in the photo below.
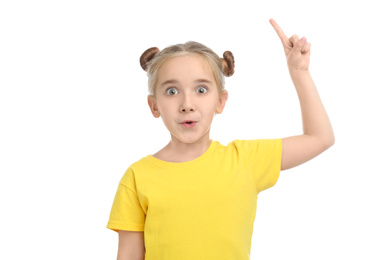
{"type": "Point", "coordinates": [204, 81]}
{"type": "Point", "coordinates": [172, 81]}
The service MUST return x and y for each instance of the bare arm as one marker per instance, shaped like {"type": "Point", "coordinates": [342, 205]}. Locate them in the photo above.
{"type": "Point", "coordinates": [317, 130]}
{"type": "Point", "coordinates": [131, 245]}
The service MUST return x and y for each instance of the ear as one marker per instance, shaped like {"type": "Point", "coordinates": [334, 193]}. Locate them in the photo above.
{"type": "Point", "coordinates": [153, 106]}
{"type": "Point", "coordinates": [222, 101]}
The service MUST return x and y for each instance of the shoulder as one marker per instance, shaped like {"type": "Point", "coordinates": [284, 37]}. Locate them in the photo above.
{"type": "Point", "coordinates": [144, 161]}
{"type": "Point", "coordinates": [134, 168]}
{"type": "Point", "coordinates": [256, 144]}
{"type": "Point", "coordinates": [253, 147]}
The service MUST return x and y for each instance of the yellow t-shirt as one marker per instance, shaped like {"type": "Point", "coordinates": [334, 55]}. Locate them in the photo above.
{"type": "Point", "coordinates": [200, 209]}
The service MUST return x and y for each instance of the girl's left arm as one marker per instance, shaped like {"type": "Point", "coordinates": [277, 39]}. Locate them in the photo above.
{"type": "Point", "coordinates": [317, 134]}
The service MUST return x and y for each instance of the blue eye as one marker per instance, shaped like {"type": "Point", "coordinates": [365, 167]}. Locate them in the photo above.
{"type": "Point", "coordinates": [171, 91]}
{"type": "Point", "coordinates": [201, 90]}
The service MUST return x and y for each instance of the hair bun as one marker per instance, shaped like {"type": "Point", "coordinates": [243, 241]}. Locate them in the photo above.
{"type": "Point", "coordinates": [147, 56]}
{"type": "Point", "coordinates": [227, 64]}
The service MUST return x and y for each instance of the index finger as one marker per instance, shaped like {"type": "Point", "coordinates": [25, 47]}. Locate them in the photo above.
{"type": "Point", "coordinates": [280, 33]}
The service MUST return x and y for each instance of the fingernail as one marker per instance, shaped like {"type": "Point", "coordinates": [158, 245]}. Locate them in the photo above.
{"type": "Point", "coordinates": [303, 39]}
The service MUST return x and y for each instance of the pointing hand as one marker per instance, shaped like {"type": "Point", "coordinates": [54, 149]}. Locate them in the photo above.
{"type": "Point", "coordinates": [297, 50]}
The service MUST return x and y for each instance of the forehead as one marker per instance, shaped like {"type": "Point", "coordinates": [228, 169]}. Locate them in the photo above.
{"type": "Point", "coordinates": [185, 67]}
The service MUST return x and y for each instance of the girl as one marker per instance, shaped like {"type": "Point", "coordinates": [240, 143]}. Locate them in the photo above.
{"type": "Point", "coordinates": [196, 198]}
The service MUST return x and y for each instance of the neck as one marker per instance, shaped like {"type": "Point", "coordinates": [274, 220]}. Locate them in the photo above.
{"type": "Point", "coordinates": [177, 151]}
{"type": "Point", "coordinates": [195, 149]}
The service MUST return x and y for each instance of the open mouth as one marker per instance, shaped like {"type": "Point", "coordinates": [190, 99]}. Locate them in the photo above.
{"type": "Point", "coordinates": [189, 124]}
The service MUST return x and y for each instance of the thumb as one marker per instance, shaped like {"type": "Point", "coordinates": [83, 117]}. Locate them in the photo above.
{"type": "Point", "coordinates": [299, 46]}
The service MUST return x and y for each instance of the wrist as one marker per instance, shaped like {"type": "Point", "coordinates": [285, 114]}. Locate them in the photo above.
{"type": "Point", "coordinates": [299, 73]}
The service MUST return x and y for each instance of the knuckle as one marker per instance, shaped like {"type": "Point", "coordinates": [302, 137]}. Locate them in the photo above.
{"type": "Point", "coordinates": [294, 39]}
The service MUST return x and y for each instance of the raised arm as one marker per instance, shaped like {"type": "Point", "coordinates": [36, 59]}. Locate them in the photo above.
{"type": "Point", "coordinates": [317, 134]}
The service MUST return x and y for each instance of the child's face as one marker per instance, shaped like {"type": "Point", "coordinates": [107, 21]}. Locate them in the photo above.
{"type": "Point", "coordinates": [186, 97]}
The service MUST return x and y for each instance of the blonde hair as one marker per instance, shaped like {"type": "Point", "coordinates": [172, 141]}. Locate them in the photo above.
{"type": "Point", "coordinates": [152, 60]}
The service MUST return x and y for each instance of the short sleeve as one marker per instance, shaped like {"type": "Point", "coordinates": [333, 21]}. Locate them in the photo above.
{"type": "Point", "coordinates": [126, 212]}
{"type": "Point", "coordinates": [264, 157]}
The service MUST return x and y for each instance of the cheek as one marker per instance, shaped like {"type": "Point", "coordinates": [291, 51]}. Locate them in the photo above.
{"type": "Point", "coordinates": [214, 103]}
{"type": "Point", "coordinates": [211, 108]}
{"type": "Point", "coordinates": [165, 107]}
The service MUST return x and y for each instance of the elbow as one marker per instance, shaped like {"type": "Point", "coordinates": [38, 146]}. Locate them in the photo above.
{"type": "Point", "coordinates": [325, 142]}
{"type": "Point", "coordinates": [332, 140]}
{"type": "Point", "coordinates": [328, 142]}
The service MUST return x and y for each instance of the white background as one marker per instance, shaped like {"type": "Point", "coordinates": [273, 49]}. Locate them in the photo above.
{"type": "Point", "coordinates": [74, 116]}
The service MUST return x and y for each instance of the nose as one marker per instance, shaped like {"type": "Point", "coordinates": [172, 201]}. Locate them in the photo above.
{"type": "Point", "coordinates": [187, 104]}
